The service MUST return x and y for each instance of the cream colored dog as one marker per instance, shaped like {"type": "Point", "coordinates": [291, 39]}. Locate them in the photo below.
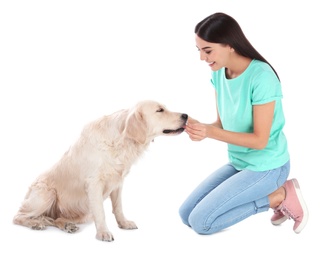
{"type": "Point", "coordinates": [94, 168]}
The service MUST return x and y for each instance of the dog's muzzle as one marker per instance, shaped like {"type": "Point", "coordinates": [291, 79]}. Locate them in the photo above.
{"type": "Point", "coordinates": [184, 118]}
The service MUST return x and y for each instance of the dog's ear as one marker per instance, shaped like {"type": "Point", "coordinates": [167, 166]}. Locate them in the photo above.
{"type": "Point", "coordinates": [135, 127]}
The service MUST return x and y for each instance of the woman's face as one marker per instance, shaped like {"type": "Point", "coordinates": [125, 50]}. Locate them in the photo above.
{"type": "Point", "coordinates": [215, 54]}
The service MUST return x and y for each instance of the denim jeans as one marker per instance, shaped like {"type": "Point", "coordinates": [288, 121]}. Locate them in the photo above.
{"type": "Point", "coordinates": [228, 196]}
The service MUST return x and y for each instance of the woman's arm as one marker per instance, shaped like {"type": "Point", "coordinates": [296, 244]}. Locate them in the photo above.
{"type": "Point", "coordinates": [262, 118]}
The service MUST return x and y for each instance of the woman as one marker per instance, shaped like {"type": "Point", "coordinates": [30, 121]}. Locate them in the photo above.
{"type": "Point", "coordinates": [250, 120]}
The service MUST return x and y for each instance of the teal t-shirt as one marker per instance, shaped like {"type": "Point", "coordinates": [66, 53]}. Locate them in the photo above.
{"type": "Point", "coordinates": [258, 84]}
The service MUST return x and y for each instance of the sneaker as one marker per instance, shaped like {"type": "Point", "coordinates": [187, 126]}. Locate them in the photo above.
{"type": "Point", "coordinates": [293, 206]}
{"type": "Point", "coordinates": [278, 217]}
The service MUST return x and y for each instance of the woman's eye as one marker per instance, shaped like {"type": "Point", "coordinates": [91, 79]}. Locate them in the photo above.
{"type": "Point", "coordinates": [160, 110]}
{"type": "Point", "coordinates": [208, 52]}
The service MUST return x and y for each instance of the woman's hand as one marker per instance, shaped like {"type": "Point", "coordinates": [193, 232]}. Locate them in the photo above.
{"type": "Point", "coordinates": [196, 130]}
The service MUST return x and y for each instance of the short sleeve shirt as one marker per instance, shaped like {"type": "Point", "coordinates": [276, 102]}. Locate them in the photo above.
{"type": "Point", "coordinates": [257, 85]}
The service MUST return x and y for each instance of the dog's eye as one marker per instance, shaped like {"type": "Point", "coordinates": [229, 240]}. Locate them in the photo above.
{"type": "Point", "coordinates": [160, 110]}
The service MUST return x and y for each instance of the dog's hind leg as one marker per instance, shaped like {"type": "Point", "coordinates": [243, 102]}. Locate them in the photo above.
{"type": "Point", "coordinates": [66, 225]}
{"type": "Point", "coordinates": [37, 203]}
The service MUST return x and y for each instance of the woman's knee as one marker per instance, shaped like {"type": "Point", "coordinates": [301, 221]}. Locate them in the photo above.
{"type": "Point", "coordinates": [184, 214]}
{"type": "Point", "coordinates": [198, 223]}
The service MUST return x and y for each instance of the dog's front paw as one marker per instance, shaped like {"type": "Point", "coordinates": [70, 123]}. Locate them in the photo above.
{"type": "Point", "coordinates": [127, 224]}
{"type": "Point", "coordinates": [105, 236]}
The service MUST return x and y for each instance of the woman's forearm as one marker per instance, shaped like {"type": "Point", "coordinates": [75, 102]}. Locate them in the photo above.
{"type": "Point", "coordinates": [250, 140]}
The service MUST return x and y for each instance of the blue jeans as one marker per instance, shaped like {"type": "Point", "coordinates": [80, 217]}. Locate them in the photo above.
{"type": "Point", "coordinates": [229, 196]}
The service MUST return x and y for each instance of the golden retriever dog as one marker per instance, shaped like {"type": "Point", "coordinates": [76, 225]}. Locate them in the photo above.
{"type": "Point", "coordinates": [74, 189]}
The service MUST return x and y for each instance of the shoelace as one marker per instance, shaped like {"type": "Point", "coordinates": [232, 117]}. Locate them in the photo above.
{"type": "Point", "coordinates": [276, 211]}
{"type": "Point", "coordinates": [287, 212]}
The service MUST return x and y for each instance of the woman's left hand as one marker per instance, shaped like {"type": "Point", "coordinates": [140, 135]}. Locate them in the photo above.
{"type": "Point", "coordinates": [196, 131]}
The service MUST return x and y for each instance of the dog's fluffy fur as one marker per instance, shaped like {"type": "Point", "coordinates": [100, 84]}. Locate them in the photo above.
{"type": "Point", "coordinates": [94, 168]}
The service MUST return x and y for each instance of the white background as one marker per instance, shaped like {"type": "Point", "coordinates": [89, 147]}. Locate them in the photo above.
{"type": "Point", "coordinates": [64, 63]}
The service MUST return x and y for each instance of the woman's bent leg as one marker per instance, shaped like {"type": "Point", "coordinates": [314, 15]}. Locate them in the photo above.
{"type": "Point", "coordinates": [206, 186]}
{"type": "Point", "coordinates": [238, 197]}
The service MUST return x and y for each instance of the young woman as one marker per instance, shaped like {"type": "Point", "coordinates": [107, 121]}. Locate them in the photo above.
{"type": "Point", "coordinates": [250, 120]}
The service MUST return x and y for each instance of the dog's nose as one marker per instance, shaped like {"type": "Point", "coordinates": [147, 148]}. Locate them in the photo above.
{"type": "Point", "coordinates": [184, 116]}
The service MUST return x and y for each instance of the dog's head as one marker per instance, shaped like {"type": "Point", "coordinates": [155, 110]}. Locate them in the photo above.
{"type": "Point", "coordinates": [149, 119]}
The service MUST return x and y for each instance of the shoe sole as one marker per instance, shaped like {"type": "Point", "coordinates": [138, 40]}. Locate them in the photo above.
{"type": "Point", "coordinates": [303, 205]}
{"type": "Point", "coordinates": [279, 221]}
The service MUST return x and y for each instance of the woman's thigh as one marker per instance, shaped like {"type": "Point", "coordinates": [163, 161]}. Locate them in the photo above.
{"type": "Point", "coordinates": [205, 187]}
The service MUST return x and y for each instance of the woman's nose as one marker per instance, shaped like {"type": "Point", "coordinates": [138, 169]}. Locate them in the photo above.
{"type": "Point", "coordinates": [203, 56]}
